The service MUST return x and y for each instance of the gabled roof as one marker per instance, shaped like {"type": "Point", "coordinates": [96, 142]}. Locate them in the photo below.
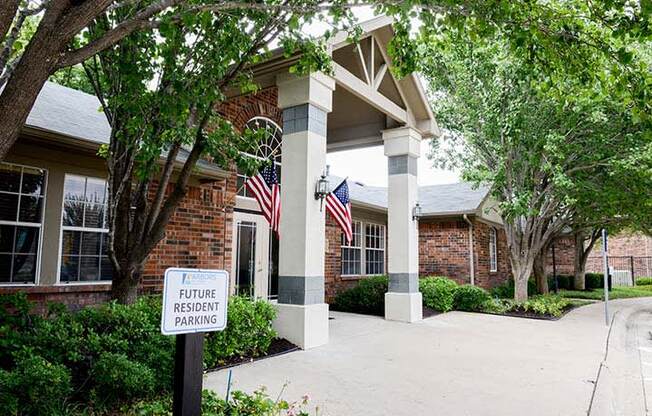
{"type": "Point", "coordinates": [436, 200]}
{"type": "Point", "coordinates": [66, 113]}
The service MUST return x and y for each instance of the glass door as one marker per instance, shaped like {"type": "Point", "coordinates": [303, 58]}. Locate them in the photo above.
{"type": "Point", "coordinates": [245, 258]}
{"type": "Point", "coordinates": [272, 287]}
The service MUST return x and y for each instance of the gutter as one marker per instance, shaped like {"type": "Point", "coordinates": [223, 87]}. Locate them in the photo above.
{"type": "Point", "coordinates": [471, 257]}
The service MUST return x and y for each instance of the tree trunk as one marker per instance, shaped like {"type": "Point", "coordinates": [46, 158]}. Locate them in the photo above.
{"type": "Point", "coordinates": [579, 262]}
{"type": "Point", "coordinates": [124, 287]}
{"type": "Point", "coordinates": [521, 268]}
{"type": "Point", "coordinates": [539, 269]}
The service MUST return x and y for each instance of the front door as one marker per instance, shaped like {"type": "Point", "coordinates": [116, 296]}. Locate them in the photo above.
{"type": "Point", "coordinates": [255, 260]}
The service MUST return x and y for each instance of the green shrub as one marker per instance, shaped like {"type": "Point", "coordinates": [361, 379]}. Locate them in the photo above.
{"type": "Point", "coordinates": [35, 386]}
{"type": "Point", "coordinates": [644, 281]}
{"type": "Point", "coordinates": [549, 305]}
{"type": "Point", "coordinates": [108, 353]}
{"type": "Point", "coordinates": [256, 404]}
{"type": "Point", "coordinates": [248, 332]}
{"type": "Point", "coordinates": [594, 280]}
{"type": "Point", "coordinates": [566, 282]}
{"type": "Point", "coordinates": [117, 378]}
{"type": "Point", "coordinates": [438, 293]}
{"type": "Point", "coordinates": [471, 298]}
{"type": "Point", "coordinates": [367, 297]}
{"type": "Point", "coordinates": [506, 290]}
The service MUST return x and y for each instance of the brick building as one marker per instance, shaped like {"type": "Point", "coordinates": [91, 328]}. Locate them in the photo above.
{"type": "Point", "coordinates": [53, 197]}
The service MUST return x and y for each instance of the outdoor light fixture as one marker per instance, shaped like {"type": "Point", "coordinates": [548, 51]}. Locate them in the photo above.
{"type": "Point", "coordinates": [416, 212]}
{"type": "Point", "coordinates": [322, 189]}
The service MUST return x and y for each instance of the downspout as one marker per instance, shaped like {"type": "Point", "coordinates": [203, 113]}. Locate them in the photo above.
{"type": "Point", "coordinates": [471, 259]}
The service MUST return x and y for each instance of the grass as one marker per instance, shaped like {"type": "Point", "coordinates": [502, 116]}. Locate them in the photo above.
{"type": "Point", "coordinates": [620, 292]}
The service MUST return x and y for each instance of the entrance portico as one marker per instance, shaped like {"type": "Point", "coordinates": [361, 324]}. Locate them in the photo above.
{"type": "Point", "coordinates": [359, 104]}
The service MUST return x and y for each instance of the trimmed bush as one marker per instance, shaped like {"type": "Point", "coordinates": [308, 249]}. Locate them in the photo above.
{"type": "Point", "coordinates": [594, 280]}
{"type": "Point", "coordinates": [438, 293]}
{"type": "Point", "coordinates": [644, 281]}
{"type": "Point", "coordinates": [367, 297]}
{"type": "Point", "coordinates": [248, 333]}
{"type": "Point", "coordinates": [471, 298]}
{"type": "Point", "coordinates": [117, 378]}
{"type": "Point", "coordinates": [566, 282]}
{"type": "Point", "coordinates": [105, 355]}
{"type": "Point", "coordinates": [34, 386]}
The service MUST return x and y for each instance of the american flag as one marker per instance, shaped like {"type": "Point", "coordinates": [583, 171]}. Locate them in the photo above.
{"type": "Point", "coordinates": [266, 189]}
{"type": "Point", "coordinates": [339, 205]}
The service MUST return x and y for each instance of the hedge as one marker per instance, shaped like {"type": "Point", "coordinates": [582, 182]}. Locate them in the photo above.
{"type": "Point", "coordinates": [102, 356]}
{"type": "Point", "coordinates": [438, 293]}
{"type": "Point", "coordinates": [367, 297]}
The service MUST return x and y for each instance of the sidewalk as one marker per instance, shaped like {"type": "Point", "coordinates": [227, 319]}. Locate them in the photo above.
{"type": "Point", "coordinates": [451, 364]}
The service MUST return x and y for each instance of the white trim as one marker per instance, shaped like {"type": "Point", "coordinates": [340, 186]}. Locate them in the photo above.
{"type": "Point", "coordinates": [40, 225]}
{"type": "Point", "coordinates": [368, 94]}
{"type": "Point", "coordinates": [63, 228]}
{"type": "Point", "coordinates": [363, 250]}
{"type": "Point", "coordinates": [493, 250]}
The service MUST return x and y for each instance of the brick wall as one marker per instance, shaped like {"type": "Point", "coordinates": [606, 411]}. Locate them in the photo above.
{"type": "Point", "coordinates": [444, 249]}
{"type": "Point", "coordinates": [334, 282]}
{"type": "Point", "coordinates": [484, 277]}
{"type": "Point", "coordinates": [198, 235]}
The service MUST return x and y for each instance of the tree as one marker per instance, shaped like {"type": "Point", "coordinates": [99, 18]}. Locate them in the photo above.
{"type": "Point", "coordinates": [538, 133]}
{"type": "Point", "coordinates": [168, 106]}
{"type": "Point", "coordinates": [59, 37]}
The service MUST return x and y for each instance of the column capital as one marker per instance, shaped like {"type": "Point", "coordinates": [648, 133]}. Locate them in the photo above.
{"type": "Point", "coordinates": [402, 141]}
{"type": "Point", "coordinates": [315, 89]}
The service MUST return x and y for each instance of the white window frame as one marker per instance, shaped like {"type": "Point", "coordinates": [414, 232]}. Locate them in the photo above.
{"type": "Point", "coordinates": [39, 249]}
{"type": "Point", "coordinates": [344, 245]}
{"type": "Point", "coordinates": [63, 228]}
{"type": "Point", "coordinates": [363, 249]}
{"type": "Point", "coordinates": [493, 250]}
{"type": "Point", "coordinates": [383, 243]}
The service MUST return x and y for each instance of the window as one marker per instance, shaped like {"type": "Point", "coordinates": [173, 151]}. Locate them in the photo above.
{"type": "Point", "coordinates": [352, 253]}
{"type": "Point", "coordinates": [374, 249]}
{"type": "Point", "coordinates": [493, 257]}
{"type": "Point", "coordinates": [84, 231]}
{"type": "Point", "coordinates": [22, 197]}
{"type": "Point", "coordinates": [269, 148]}
{"type": "Point", "coordinates": [365, 256]}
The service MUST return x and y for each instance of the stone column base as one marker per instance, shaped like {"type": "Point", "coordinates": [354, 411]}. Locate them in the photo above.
{"type": "Point", "coordinates": [403, 307]}
{"type": "Point", "coordinates": [303, 325]}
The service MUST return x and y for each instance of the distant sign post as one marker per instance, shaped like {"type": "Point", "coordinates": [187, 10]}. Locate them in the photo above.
{"type": "Point", "coordinates": [605, 261]}
{"type": "Point", "coordinates": [194, 302]}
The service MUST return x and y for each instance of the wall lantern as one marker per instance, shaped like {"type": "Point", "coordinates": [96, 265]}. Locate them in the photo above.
{"type": "Point", "coordinates": [416, 212]}
{"type": "Point", "coordinates": [322, 189]}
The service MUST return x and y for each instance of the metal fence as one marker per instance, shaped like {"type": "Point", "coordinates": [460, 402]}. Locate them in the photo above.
{"type": "Point", "coordinates": [624, 270]}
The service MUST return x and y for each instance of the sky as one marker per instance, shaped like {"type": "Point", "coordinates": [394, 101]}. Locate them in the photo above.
{"type": "Point", "coordinates": [373, 171]}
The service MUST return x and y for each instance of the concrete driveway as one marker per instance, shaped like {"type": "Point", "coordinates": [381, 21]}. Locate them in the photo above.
{"type": "Point", "coordinates": [454, 364]}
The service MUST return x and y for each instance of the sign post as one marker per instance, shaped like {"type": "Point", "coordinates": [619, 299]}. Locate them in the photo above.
{"type": "Point", "coordinates": [605, 261]}
{"type": "Point", "coordinates": [194, 302]}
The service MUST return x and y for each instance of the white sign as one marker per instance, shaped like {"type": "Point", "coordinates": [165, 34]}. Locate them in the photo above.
{"type": "Point", "coordinates": [194, 300]}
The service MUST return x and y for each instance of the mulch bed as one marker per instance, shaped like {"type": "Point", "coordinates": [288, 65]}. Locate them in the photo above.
{"type": "Point", "coordinates": [279, 346]}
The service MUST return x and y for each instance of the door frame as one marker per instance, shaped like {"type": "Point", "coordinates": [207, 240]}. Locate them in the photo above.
{"type": "Point", "coordinates": [261, 263]}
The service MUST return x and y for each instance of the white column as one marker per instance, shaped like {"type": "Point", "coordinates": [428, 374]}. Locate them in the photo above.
{"type": "Point", "coordinates": [302, 312]}
{"type": "Point", "coordinates": [403, 299]}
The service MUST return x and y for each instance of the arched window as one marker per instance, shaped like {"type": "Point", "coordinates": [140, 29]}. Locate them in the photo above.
{"type": "Point", "coordinates": [493, 250]}
{"type": "Point", "coordinates": [268, 148]}
{"type": "Point", "coordinates": [270, 145]}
